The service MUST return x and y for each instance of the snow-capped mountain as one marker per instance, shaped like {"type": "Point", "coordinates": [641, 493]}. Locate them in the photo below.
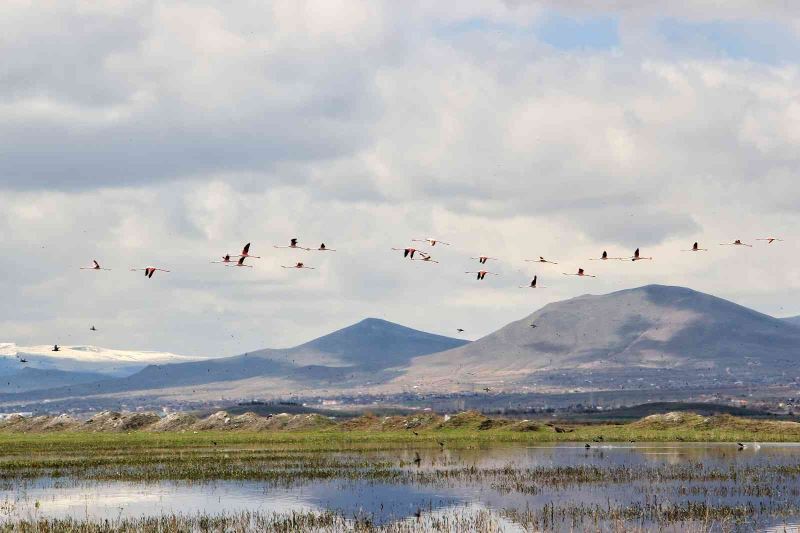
{"type": "Point", "coordinates": [112, 362]}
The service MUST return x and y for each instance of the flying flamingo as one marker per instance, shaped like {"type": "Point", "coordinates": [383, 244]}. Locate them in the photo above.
{"type": "Point", "coordinates": [431, 241]}
{"type": "Point", "coordinates": [95, 267]}
{"type": "Point", "coordinates": [580, 273]}
{"type": "Point", "coordinates": [292, 244]}
{"type": "Point", "coordinates": [298, 265]}
{"type": "Point", "coordinates": [605, 257]}
{"type": "Point", "coordinates": [246, 252]}
{"type": "Point", "coordinates": [240, 263]}
{"type": "Point", "coordinates": [323, 248]}
{"type": "Point", "coordinates": [637, 257]}
{"type": "Point", "coordinates": [409, 252]}
{"type": "Point", "coordinates": [226, 259]}
{"type": "Point", "coordinates": [540, 260]}
{"type": "Point", "coordinates": [770, 240]}
{"type": "Point", "coordinates": [149, 271]}
{"type": "Point", "coordinates": [737, 242]}
{"type": "Point", "coordinates": [483, 258]}
{"type": "Point", "coordinates": [426, 258]}
{"type": "Point", "coordinates": [532, 284]}
{"type": "Point", "coordinates": [482, 273]}
{"type": "Point", "coordinates": [696, 248]}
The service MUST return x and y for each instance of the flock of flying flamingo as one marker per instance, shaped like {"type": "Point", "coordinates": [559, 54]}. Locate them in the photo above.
{"type": "Point", "coordinates": [415, 254]}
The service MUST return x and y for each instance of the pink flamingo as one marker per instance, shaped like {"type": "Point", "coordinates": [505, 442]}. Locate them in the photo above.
{"type": "Point", "coordinates": [226, 259]}
{"type": "Point", "coordinates": [605, 257]}
{"type": "Point", "coordinates": [240, 263]}
{"type": "Point", "coordinates": [532, 285]}
{"type": "Point", "coordinates": [292, 244]}
{"type": "Point", "coordinates": [637, 257]}
{"type": "Point", "coordinates": [409, 252]}
{"type": "Point", "coordinates": [483, 258]}
{"type": "Point", "coordinates": [96, 266]}
{"type": "Point", "coordinates": [737, 242]}
{"type": "Point", "coordinates": [696, 248]}
{"type": "Point", "coordinates": [540, 260]}
{"type": "Point", "coordinates": [299, 265]}
{"type": "Point", "coordinates": [431, 241]}
{"type": "Point", "coordinates": [580, 273]}
{"type": "Point", "coordinates": [149, 271]}
{"type": "Point", "coordinates": [482, 273]}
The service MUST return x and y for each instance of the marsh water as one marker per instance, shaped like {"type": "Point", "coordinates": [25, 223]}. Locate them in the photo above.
{"type": "Point", "coordinates": [754, 488]}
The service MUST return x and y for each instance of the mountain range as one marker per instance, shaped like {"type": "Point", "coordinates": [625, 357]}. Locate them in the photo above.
{"type": "Point", "coordinates": [648, 338]}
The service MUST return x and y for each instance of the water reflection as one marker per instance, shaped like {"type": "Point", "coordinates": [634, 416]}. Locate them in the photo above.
{"type": "Point", "coordinates": [385, 502]}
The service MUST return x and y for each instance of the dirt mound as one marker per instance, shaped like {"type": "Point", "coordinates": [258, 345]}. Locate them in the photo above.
{"type": "Point", "coordinates": [13, 422]}
{"type": "Point", "coordinates": [468, 420]}
{"type": "Point", "coordinates": [218, 421]}
{"type": "Point", "coordinates": [370, 422]}
{"type": "Point", "coordinates": [670, 420]}
{"type": "Point", "coordinates": [524, 426]}
{"type": "Point", "coordinates": [113, 421]}
{"type": "Point", "coordinates": [61, 422]}
{"type": "Point", "coordinates": [174, 422]}
{"type": "Point", "coordinates": [285, 421]}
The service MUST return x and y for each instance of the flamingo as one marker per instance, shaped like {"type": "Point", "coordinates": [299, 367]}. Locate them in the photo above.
{"type": "Point", "coordinates": [95, 267]}
{"type": "Point", "coordinates": [696, 248]}
{"type": "Point", "coordinates": [540, 260]}
{"type": "Point", "coordinates": [770, 240]}
{"type": "Point", "coordinates": [426, 258]}
{"type": "Point", "coordinates": [226, 259]}
{"type": "Point", "coordinates": [240, 263]}
{"type": "Point", "coordinates": [483, 258]}
{"type": "Point", "coordinates": [298, 265]}
{"type": "Point", "coordinates": [409, 252]}
{"type": "Point", "coordinates": [56, 348]}
{"type": "Point", "coordinates": [292, 244]}
{"type": "Point", "coordinates": [605, 257]}
{"type": "Point", "coordinates": [323, 248]}
{"type": "Point", "coordinates": [580, 273]}
{"type": "Point", "coordinates": [246, 252]}
{"type": "Point", "coordinates": [637, 257]}
{"type": "Point", "coordinates": [737, 242]}
{"type": "Point", "coordinates": [431, 241]}
{"type": "Point", "coordinates": [482, 273]}
{"type": "Point", "coordinates": [532, 284]}
{"type": "Point", "coordinates": [149, 271]}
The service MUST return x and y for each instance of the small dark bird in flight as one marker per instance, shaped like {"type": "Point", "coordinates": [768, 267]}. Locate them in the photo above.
{"type": "Point", "coordinates": [23, 360]}
{"type": "Point", "coordinates": [696, 248]}
{"type": "Point", "coordinates": [56, 348]}
{"type": "Point", "coordinates": [92, 328]}
{"type": "Point", "coordinates": [460, 330]}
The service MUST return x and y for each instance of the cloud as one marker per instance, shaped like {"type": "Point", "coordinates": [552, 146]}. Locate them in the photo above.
{"type": "Point", "coordinates": [170, 133]}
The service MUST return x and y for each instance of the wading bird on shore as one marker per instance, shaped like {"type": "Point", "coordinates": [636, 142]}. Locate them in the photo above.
{"type": "Point", "coordinates": [737, 242]}
{"type": "Point", "coordinates": [299, 265]}
{"type": "Point", "coordinates": [696, 248]}
{"type": "Point", "coordinates": [482, 274]}
{"type": "Point", "coordinates": [532, 284]}
{"type": "Point", "coordinates": [240, 263]}
{"type": "Point", "coordinates": [483, 258]}
{"type": "Point", "coordinates": [95, 266]}
{"type": "Point", "coordinates": [149, 271]}
{"type": "Point", "coordinates": [637, 257]}
{"type": "Point", "coordinates": [580, 273]}
{"type": "Point", "coordinates": [431, 241]}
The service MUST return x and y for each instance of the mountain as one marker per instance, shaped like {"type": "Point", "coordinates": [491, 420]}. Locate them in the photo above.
{"type": "Point", "coordinates": [90, 359]}
{"type": "Point", "coordinates": [649, 337]}
{"type": "Point", "coordinates": [369, 352]}
{"type": "Point", "coordinates": [29, 379]}
{"type": "Point", "coordinates": [793, 320]}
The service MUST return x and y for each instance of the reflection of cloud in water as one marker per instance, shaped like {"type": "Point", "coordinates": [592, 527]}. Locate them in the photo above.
{"type": "Point", "coordinates": [125, 499]}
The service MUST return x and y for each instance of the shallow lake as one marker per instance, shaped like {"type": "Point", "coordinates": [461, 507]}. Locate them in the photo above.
{"type": "Point", "coordinates": [762, 482]}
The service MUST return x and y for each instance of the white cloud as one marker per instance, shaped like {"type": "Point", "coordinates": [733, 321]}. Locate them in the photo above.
{"type": "Point", "coordinates": [171, 133]}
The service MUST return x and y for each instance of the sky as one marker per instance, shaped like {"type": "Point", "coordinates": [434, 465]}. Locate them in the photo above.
{"type": "Point", "coordinates": [163, 133]}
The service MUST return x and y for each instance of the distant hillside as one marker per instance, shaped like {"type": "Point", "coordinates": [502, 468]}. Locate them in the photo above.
{"type": "Point", "coordinates": [29, 379]}
{"type": "Point", "coordinates": [650, 337]}
{"type": "Point", "coordinates": [793, 320]}
{"type": "Point", "coordinates": [369, 352]}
